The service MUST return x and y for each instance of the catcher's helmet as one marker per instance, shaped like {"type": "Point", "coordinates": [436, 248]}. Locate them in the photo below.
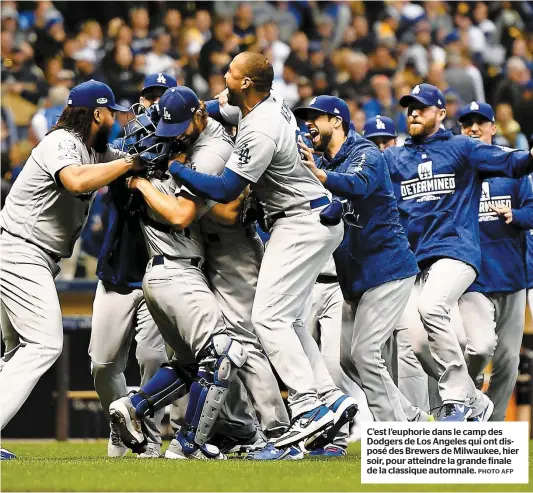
{"type": "Point", "coordinates": [140, 138]}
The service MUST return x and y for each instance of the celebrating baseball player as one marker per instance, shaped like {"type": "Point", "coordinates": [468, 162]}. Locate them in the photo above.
{"type": "Point", "coordinates": [119, 309]}
{"type": "Point", "coordinates": [376, 268]}
{"type": "Point", "coordinates": [412, 380]}
{"type": "Point", "coordinates": [266, 156]}
{"type": "Point", "coordinates": [437, 185]}
{"type": "Point", "coordinates": [42, 218]}
{"type": "Point", "coordinates": [493, 307]}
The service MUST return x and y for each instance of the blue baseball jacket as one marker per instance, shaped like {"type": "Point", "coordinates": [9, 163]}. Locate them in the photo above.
{"type": "Point", "coordinates": [502, 249]}
{"type": "Point", "coordinates": [375, 251]}
{"type": "Point", "coordinates": [529, 249]}
{"type": "Point", "coordinates": [123, 256]}
{"type": "Point", "coordinates": [438, 186]}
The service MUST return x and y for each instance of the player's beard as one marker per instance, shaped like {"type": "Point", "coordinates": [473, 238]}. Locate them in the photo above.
{"type": "Point", "coordinates": [101, 139]}
{"type": "Point", "coordinates": [325, 139]}
{"type": "Point", "coordinates": [233, 98]}
{"type": "Point", "coordinates": [422, 129]}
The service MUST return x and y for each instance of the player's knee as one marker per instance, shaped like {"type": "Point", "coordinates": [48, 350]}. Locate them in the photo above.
{"type": "Point", "coordinates": [508, 359]}
{"type": "Point", "coordinates": [230, 354]}
{"type": "Point", "coordinates": [150, 360]}
{"type": "Point", "coordinates": [484, 347]}
{"type": "Point", "coordinates": [430, 309]}
{"type": "Point", "coordinates": [98, 369]}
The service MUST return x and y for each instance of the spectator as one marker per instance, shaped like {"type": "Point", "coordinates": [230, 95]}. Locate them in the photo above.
{"type": "Point", "coordinates": [299, 56]}
{"type": "Point", "coordinates": [158, 59]}
{"type": "Point", "coordinates": [286, 18]}
{"type": "Point", "coordinates": [384, 103]}
{"type": "Point", "coordinates": [516, 89]}
{"type": "Point", "coordinates": [439, 19]}
{"type": "Point", "coordinates": [216, 54]}
{"type": "Point", "coordinates": [475, 38]}
{"type": "Point", "coordinates": [453, 105]}
{"type": "Point", "coordinates": [86, 66]}
{"type": "Point", "coordinates": [382, 62]}
{"type": "Point", "coordinates": [244, 27]}
{"type": "Point", "coordinates": [95, 37]}
{"type": "Point", "coordinates": [140, 24]}
{"type": "Point", "coordinates": [305, 93]}
{"type": "Point", "coordinates": [365, 40]}
{"type": "Point", "coordinates": [481, 18]}
{"type": "Point", "coordinates": [459, 78]}
{"type": "Point", "coordinates": [357, 87]}
{"type": "Point", "coordinates": [173, 24]}
{"type": "Point", "coordinates": [70, 47]}
{"type": "Point", "coordinates": [121, 77]}
{"type": "Point", "coordinates": [385, 29]}
{"type": "Point", "coordinates": [47, 116]}
{"type": "Point", "coordinates": [203, 24]}
{"type": "Point", "coordinates": [508, 132]}
{"type": "Point", "coordinates": [323, 73]}
{"type": "Point", "coordinates": [279, 51]}
{"type": "Point", "coordinates": [49, 39]}
{"type": "Point", "coordinates": [287, 87]}
{"type": "Point", "coordinates": [423, 52]}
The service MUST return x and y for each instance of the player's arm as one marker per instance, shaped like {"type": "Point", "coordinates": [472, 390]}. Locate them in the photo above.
{"type": "Point", "coordinates": [251, 156]}
{"type": "Point", "coordinates": [522, 217]}
{"type": "Point", "coordinates": [228, 214]}
{"type": "Point", "coordinates": [362, 177]}
{"type": "Point", "coordinates": [90, 177]}
{"type": "Point", "coordinates": [492, 160]}
{"type": "Point", "coordinates": [179, 211]}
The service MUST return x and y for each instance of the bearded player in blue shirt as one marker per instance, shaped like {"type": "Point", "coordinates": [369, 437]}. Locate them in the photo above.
{"type": "Point", "coordinates": [437, 183]}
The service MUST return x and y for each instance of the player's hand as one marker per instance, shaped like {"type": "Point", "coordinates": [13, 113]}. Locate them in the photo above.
{"type": "Point", "coordinates": [222, 97]}
{"type": "Point", "coordinates": [505, 212]}
{"type": "Point", "coordinates": [133, 182]}
{"type": "Point", "coordinates": [134, 162]}
{"type": "Point", "coordinates": [307, 160]}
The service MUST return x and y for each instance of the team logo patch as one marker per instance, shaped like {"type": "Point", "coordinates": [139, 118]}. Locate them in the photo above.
{"type": "Point", "coordinates": [415, 90]}
{"type": "Point", "coordinates": [161, 79]}
{"type": "Point", "coordinates": [379, 124]}
{"type": "Point", "coordinates": [67, 150]}
{"type": "Point", "coordinates": [488, 201]}
{"type": "Point", "coordinates": [474, 106]}
{"type": "Point", "coordinates": [101, 100]}
{"type": "Point", "coordinates": [428, 186]}
{"type": "Point", "coordinates": [313, 101]}
{"type": "Point", "coordinates": [166, 114]}
{"type": "Point", "coordinates": [425, 170]}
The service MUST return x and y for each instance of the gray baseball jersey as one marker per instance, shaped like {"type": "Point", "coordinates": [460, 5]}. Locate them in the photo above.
{"type": "Point", "coordinates": [38, 208]}
{"type": "Point", "coordinates": [171, 243]}
{"type": "Point", "coordinates": [266, 154]}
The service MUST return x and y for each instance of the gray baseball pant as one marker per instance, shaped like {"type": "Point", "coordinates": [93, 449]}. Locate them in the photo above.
{"type": "Point", "coordinates": [494, 325]}
{"type": "Point", "coordinates": [438, 289]}
{"type": "Point", "coordinates": [31, 321]}
{"type": "Point", "coordinates": [367, 325]}
{"type": "Point", "coordinates": [119, 314]}
{"type": "Point", "coordinates": [298, 249]}
{"type": "Point", "coordinates": [232, 268]}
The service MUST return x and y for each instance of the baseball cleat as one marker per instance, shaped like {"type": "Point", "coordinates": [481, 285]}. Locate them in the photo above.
{"type": "Point", "coordinates": [115, 446]}
{"type": "Point", "coordinates": [239, 445]}
{"type": "Point", "coordinates": [329, 451]}
{"type": "Point", "coordinates": [125, 422]}
{"type": "Point", "coordinates": [180, 449]}
{"type": "Point", "coordinates": [6, 455]}
{"type": "Point", "coordinates": [307, 426]}
{"type": "Point", "coordinates": [344, 410]}
{"type": "Point", "coordinates": [152, 451]}
{"type": "Point", "coordinates": [485, 413]}
{"type": "Point", "coordinates": [452, 412]}
{"type": "Point", "coordinates": [270, 452]}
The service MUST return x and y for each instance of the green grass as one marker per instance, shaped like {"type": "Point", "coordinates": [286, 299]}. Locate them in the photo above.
{"type": "Point", "coordinates": [83, 466]}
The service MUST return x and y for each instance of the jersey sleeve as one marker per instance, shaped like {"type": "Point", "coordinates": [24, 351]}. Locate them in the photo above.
{"type": "Point", "coordinates": [112, 153]}
{"type": "Point", "coordinates": [252, 154]}
{"type": "Point", "coordinates": [208, 161]}
{"type": "Point", "coordinates": [231, 114]}
{"type": "Point", "coordinates": [523, 215]}
{"type": "Point", "coordinates": [62, 151]}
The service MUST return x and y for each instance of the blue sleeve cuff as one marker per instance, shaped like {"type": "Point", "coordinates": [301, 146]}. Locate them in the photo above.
{"type": "Point", "coordinates": [213, 110]}
{"type": "Point", "coordinates": [522, 218]}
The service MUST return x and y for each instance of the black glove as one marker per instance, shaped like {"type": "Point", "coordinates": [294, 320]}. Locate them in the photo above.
{"type": "Point", "coordinates": [251, 211]}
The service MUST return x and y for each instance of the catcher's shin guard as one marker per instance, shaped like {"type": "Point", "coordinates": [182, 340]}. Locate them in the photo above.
{"type": "Point", "coordinates": [208, 393]}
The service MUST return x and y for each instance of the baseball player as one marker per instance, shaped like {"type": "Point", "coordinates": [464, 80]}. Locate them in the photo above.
{"type": "Point", "coordinates": [437, 185]}
{"type": "Point", "coordinates": [179, 298]}
{"type": "Point", "coordinates": [493, 307]}
{"type": "Point", "coordinates": [376, 268]}
{"type": "Point", "coordinates": [119, 309]}
{"type": "Point", "coordinates": [42, 218]}
{"type": "Point", "coordinates": [529, 264]}
{"type": "Point", "coordinates": [412, 380]}
{"type": "Point", "coordinates": [266, 156]}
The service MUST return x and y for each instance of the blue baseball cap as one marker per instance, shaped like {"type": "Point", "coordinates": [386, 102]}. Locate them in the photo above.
{"type": "Point", "coordinates": [93, 94]}
{"type": "Point", "coordinates": [426, 94]}
{"type": "Point", "coordinates": [176, 106]}
{"type": "Point", "coordinates": [160, 79]}
{"type": "Point", "coordinates": [379, 126]}
{"type": "Point", "coordinates": [474, 108]}
{"type": "Point", "coordinates": [329, 105]}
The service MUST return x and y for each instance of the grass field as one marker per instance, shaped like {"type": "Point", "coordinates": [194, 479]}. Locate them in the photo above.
{"type": "Point", "coordinates": [83, 466]}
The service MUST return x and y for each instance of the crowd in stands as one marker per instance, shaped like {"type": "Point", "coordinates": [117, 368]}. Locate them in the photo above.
{"type": "Point", "coordinates": [368, 53]}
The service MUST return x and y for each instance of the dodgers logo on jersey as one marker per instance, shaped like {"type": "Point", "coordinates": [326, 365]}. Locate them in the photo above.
{"type": "Point", "coordinates": [161, 78]}
{"type": "Point", "coordinates": [428, 186]}
{"type": "Point", "coordinates": [487, 202]}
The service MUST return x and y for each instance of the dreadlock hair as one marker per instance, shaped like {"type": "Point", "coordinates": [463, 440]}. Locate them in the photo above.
{"type": "Point", "coordinates": [77, 120]}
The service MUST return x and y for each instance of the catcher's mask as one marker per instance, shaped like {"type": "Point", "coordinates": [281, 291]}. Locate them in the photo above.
{"type": "Point", "coordinates": [140, 138]}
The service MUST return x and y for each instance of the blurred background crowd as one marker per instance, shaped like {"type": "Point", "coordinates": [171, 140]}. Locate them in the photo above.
{"type": "Point", "coordinates": [368, 53]}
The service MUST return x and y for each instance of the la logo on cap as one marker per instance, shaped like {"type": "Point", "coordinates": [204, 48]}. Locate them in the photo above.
{"type": "Point", "coordinates": [101, 100]}
{"type": "Point", "coordinates": [313, 101]}
{"type": "Point", "coordinates": [336, 111]}
{"type": "Point", "coordinates": [416, 89]}
{"type": "Point", "coordinates": [379, 124]}
{"type": "Point", "coordinates": [161, 79]}
{"type": "Point", "coordinates": [166, 114]}
{"type": "Point", "coordinates": [474, 106]}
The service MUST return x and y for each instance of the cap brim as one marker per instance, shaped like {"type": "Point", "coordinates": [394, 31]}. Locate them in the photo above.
{"type": "Point", "coordinates": [379, 134]}
{"type": "Point", "coordinates": [164, 86]}
{"type": "Point", "coordinates": [408, 99]}
{"type": "Point", "coordinates": [118, 107]}
{"type": "Point", "coordinates": [302, 111]}
{"type": "Point", "coordinates": [462, 117]}
{"type": "Point", "coordinates": [171, 129]}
